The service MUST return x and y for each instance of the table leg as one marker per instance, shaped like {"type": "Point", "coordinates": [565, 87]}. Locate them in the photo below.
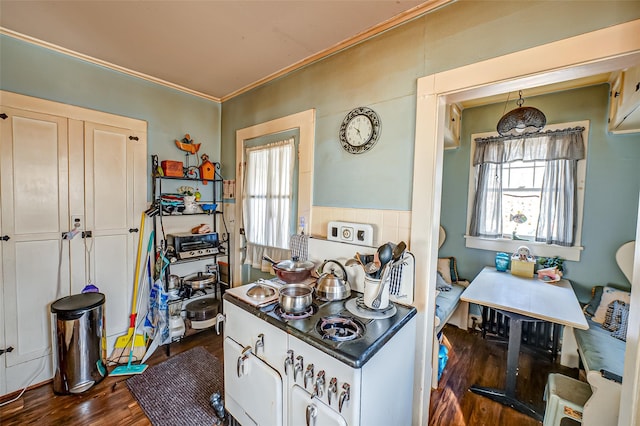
{"type": "Point", "coordinates": [508, 395]}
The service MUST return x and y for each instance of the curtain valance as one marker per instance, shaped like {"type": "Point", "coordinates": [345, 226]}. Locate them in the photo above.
{"type": "Point", "coordinates": [566, 144]}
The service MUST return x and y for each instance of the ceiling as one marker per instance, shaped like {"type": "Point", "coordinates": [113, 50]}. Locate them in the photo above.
{"type": "Point", "coordinates": [213, 48]}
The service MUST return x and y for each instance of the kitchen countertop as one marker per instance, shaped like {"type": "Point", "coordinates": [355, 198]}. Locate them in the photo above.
{"type": "Point", "coordinates": [354, 353]}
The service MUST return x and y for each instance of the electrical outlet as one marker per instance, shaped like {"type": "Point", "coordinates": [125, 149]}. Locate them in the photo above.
{"type": "Point", "coordinates": [77, 222]}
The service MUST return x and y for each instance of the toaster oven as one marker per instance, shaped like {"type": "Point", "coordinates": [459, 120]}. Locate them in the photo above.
{"type": "Point", "coordinates": [187, 245]}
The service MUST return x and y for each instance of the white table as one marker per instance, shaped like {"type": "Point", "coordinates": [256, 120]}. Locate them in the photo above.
{"type": "Point", "coordinates": [522, 300]}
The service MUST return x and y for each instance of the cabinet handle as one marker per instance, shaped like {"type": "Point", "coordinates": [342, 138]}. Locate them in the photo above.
{"type": "Point", "coordinates": [312, 412]}
{"type": "Point", "coordinates": [132, 230]}
{"type": "Point", "coordinates": [9, 349]}
{"type": "Point", "coordinates": [308, 375]}
{"type": "Point", "coordinates": [298, 366]}
{"type": "Point", "coordinates": [133, 138]}
{"type": "Point", "coordinates": [288, 361]}
{"type": "Point", "coordinates": [5, 238]}
{"type": "Point", "coordinates": [4, 116]}
{"type": "Point", "coordinates": [333, 389]}
{"type": "Point", "coordinates": [241, 359]}
{"type": "Point", "coordinates": [259, 344]}
{"type": "Point", "coordinates": [344, 396]}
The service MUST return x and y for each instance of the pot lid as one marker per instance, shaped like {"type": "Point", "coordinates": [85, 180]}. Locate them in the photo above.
{"type": "Point", "coordinates": [201, 278]}
{"type": "Point", "coordinates": [202, 309]}
{"type": "Point", "coordinates": [260, 291]}
{"type": "Point", "coordinates": [295, 265]}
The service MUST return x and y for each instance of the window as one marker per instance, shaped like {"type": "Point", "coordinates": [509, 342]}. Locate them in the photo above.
{"type": "Point", "coordinates": [268, 199]}
{"type": "Point", "coordinates": [522, 186]}
{"type": "Point", "coordinates": [529, 188]}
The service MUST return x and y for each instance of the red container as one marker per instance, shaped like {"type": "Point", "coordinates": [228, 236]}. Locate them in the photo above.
{"type": "Point", "coordinates": [172, 168]}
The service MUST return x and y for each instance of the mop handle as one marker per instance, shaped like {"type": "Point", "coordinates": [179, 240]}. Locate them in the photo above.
{"type": "Point", "coordinates": [135, 278]}
{"type": "Point", "coordinates": [134, 315]}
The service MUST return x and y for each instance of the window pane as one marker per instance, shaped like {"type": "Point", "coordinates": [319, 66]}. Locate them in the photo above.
{"type": "Point", "coordinates": [521, 198]}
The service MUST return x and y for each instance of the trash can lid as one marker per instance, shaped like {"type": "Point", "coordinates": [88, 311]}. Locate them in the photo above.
{"type": "Point", "coordinates": [77, 304]}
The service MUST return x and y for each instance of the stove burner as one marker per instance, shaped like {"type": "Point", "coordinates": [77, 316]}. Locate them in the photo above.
{"type": "Point", "coordinates": [360, 304]}
{"type": "Point", "coordinates": [357, 307]}
{"type": "Point", "coordinates": [311, 310]}
{"type": "Point", "coordinates": [339, 328]}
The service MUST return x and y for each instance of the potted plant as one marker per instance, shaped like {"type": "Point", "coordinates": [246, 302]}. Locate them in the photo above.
{"type": "Point", "coordinates": [551, 262]}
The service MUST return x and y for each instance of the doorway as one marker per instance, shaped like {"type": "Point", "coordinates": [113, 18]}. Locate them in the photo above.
{"type": "Point", "coordinates": [600, 51]}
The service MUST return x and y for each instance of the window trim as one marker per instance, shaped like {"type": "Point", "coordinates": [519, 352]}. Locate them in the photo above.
{"type": "Point", "coordinates": [539, 249]}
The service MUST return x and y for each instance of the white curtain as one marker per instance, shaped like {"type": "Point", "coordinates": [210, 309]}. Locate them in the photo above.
{"type": "Point", "coordinates": [561, 150]}
{"type": "Point", "coordinates": [267, 201]}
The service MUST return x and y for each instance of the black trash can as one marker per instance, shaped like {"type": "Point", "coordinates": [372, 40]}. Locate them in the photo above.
{"type": "Point", "coordinates": [79, 351]}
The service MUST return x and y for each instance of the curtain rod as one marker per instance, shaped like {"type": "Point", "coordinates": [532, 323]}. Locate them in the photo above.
{"type": "Point", "coordinates": [531, 135]}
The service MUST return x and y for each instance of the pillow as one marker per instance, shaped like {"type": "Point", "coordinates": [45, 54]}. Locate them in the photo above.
{"type": "Point", "coordinates": [441, 284]}
{"type": "Point", "coordinates": [444, 269]}
{"type": "Point", "coordinates": [612, 316]}
{"type": "Point", "coordinates": [591, 306]}
{"type": "Point", "coordinates": [621, 331]}
{"type": "Point", "coordinates": [448, 268]}
{"type": "Point", "coordinates": [609, 294]}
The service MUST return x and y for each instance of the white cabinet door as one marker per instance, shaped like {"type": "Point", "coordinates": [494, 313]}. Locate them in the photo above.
{"type": "Point", "coordinates": [115, 161]}
{"type": "Point", "coordinates": [309, 410]}
{"type": "Point", "coordinates": [253, 390]}
{"type": "Point", "coordinates": [34, 214]}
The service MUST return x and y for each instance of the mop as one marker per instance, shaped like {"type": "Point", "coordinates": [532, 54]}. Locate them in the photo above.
{"type": "Point", "coordinates": [136, 340]}
{"type": "Point", "coordinates": [130, 369]}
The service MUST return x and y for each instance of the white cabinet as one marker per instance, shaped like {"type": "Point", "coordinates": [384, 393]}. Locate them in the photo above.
{"type": "Point", "coordinates": [56, 168]}
{"type": "Point", "coordinates": [624, 107]}
{"type": "Point", "coordinates": [256, 390]}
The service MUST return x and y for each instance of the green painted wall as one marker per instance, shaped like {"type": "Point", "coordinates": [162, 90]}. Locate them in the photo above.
{"type": "Point", "coordinates": [611, 189]}
{"type": "Point", "coordinates": [381, 73]}
{"type": "Point", "coordinates": [34, 71]}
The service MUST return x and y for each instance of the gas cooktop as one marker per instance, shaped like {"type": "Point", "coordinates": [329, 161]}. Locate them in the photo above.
{"type": "Point", "coordinates": [329, 322]}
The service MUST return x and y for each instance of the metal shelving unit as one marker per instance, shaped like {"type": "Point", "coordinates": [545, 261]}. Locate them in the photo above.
{"type": "Point", "coordinates": [217, 288]}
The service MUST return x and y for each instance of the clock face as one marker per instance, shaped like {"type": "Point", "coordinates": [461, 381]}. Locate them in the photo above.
{"type": "Point", "coordinates": [360, 130]}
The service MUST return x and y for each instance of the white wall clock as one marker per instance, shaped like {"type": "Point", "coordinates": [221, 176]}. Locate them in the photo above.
{"type": "Point", "coordinates": [360, 130]}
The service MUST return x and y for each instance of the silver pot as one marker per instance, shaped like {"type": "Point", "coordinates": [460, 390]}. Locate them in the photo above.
{"type": "Point", "coordinates": [331, 287]}
{"type": "Point", "coordinates": [199, 280]}
{"type": "Point", "coordinates": [295, 298]}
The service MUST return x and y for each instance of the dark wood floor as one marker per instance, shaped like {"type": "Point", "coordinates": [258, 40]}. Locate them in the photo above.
{"type": "Point", "coordinates": [471, 360]}
{"type": "Point", "coordinates": [107, 403]}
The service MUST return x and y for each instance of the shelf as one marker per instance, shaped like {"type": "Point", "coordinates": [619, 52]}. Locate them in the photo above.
{"type": "Point", "coordinates": [193, 214]}
{"type": "Point", "coordinates": [195, 259]}
{"type": "Point", "coordinates": [186, 178]}
{"type": "Point", "coordinates": [207, 191]}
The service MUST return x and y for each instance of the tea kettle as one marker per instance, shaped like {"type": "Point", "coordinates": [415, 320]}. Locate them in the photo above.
{"type": "Point", "coordinates": [331, 287]}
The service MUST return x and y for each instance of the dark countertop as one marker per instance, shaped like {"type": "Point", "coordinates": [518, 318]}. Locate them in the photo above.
{"type": "Point", "coordinates": [354, 353]}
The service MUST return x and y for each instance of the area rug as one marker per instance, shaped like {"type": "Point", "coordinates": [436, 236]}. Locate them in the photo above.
{"type": "Point", "coordinates": [177, 391]}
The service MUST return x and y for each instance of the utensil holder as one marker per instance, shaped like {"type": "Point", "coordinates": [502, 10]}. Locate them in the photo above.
{"type": "Point", "coordinates": [371, 289]}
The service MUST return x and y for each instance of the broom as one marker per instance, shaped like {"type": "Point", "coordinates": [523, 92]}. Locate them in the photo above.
{"type": "Point", "coordinates": [129, 369]}
{"type": "Point", "coordinates": [131, 338]}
